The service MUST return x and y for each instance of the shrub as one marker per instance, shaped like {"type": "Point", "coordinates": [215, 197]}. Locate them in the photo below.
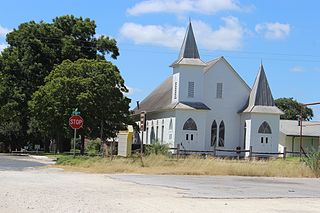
{"type": "Point", "coordinates": [3, 147]}
{"type": "Point", "coordinates": [93, 147]}
{"type": "Point", "coordinates": [78, 143]}
{"type": "Point", "coordinates": [313, 161]}
{"type": "Point", "coordinates": [157, 149]}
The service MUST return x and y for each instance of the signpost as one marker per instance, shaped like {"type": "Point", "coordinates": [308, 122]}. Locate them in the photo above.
{"type": "Point", "coordinates": [75, 122]}
{"type": "Point", "coordinates": [142, 128]}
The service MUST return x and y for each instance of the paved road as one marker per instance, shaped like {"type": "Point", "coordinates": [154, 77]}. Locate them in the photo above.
{"type": "Point", "coordinates": [54, 190]}
{"type": "Point", "coordinates": [230, 187]}
{"type": "Point", "coordinates": [18, 163]}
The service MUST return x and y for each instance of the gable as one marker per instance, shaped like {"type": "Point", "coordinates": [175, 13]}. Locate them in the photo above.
{"type": "Point", "coordinates": [211, 64]}
{"type": "Point", "coordinates": [224, 88]}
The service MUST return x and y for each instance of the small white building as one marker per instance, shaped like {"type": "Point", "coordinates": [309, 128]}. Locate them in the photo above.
{"type": "Point", "coordinates": [203, 105]}
{"type": "Point", "coordinates": [290, 136]}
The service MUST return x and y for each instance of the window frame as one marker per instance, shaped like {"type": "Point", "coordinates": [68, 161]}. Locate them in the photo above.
{"type": "Point", "coordinates": [191, 86]}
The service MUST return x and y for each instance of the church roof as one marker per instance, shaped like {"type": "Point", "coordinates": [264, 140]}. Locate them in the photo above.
{"type": "Point", "coordinates": [189, 47]}
{"type": "Point", "coordinates": [160, 99]}
{"type": "Point", "coordinates": [260, 99]}
{"type": "Point", "coordinates": [189, 54]}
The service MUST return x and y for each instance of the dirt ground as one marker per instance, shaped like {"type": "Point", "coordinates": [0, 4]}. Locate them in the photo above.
{"type": "Point", "coordinates": [53, 190]}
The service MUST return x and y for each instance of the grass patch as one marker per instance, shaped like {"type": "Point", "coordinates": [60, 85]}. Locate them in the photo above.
{"type": "Point", "coordinates": [193, 165]}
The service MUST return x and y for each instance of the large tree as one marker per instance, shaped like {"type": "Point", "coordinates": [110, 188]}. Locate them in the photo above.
{"type": "Point", "coordinates": [34, 49]}
{"type": "Point", "coordinates": [95, 87]}
{"type": "Point", "coordinates": [292, 109]}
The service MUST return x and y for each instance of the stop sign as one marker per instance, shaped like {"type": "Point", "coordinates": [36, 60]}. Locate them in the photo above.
{"type": "Point", "coordinates": [76, 121]}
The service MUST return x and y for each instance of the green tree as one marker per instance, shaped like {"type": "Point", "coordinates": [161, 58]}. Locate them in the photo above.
{"type": "Point", "coordinates": [95, 87]}
{"type": "Point", "coordinates": [292, 108]}
{"type": "Point", "coordinates": [34, 49]}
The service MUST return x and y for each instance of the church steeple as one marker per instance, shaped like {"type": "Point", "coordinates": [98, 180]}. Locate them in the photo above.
{"type": "Point", "coordinates": [189, 54]}
{"type": "Point", "coordinates": [261, 99]}
{"type": "Point", "coordinates": [261, 94]}
{"type": "Point", "coordinates": [189, 47]}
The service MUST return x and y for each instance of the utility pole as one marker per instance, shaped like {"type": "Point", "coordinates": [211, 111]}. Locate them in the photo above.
{"type": "Point", "coordinates": [301, 109]}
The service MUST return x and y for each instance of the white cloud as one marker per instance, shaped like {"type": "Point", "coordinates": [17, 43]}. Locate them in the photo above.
{"type": "Point", "coordinates": [226, 37]}
{"type": "Point", "coordinates": [133, 91]}
{"type": "Point", "coordinates": [167, 36]}
{"type": "Point", "coordinates": [297, 69]}
{"type": "Point", "coordinates": [182, 6]}
{"type": "Point", "coordinates": [273, 31]}
{"type": "Point", "coordinates": [2, 46]}
{"type": "Point", "coordinates": [4, 31]}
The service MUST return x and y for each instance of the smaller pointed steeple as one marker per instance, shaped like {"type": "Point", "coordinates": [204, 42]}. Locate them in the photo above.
{"type": "Point", "coordinates": [261, 94]}
{"type": "Point", "coordinates": [261, 99]}
{"type": "Point", "coordinates": [189, 47]}
{"type": "Point", "coordinates": [189, 54]}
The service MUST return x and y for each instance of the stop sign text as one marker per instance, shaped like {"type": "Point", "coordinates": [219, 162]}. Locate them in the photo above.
{"type": "Point", "coordinates": [76, 122]}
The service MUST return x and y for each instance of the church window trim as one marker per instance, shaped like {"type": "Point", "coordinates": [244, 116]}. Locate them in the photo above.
{"type": "Point", "coordinates": [265, 128]}
{"type": "Point", "coordinates": [190, 124]}
{"type": "Point", "coordinates": [214, 133]}
{"type": "Point", "coordinates": [219, 90]}
{"type": "Point", "coordinates": [190, 89]}
{"type": "Point", "coordinates": [175, 89]}
{"type": "Point", "coordinates": [221, 134]}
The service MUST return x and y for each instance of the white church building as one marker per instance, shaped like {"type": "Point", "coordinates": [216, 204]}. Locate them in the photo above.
{"type": "Point", "coordinates": [207, 105]}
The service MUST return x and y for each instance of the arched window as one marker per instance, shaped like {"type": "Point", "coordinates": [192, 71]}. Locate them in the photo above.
{"type": "Point", "coordinates": [264, 128]}
{"type": "Point", "coordinates": [190, 125]}
{"type": "Point", "coordinates": [170, 124]}
{"type": "Point", "coordinates": [221, 134]}
{"type": "Point", "coordinates": [214, 132]}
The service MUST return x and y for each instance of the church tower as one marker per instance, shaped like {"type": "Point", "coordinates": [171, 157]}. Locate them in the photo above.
{"type": "Point", "coordinates": [261, 117]}
{"type": "Point", "coordinates": [188, 69]}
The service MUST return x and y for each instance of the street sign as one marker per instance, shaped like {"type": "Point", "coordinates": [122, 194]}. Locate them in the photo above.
{"type": "Point", "coordinates": [142, 121]}
{"type": "Point", "coordinates": [76, 121]}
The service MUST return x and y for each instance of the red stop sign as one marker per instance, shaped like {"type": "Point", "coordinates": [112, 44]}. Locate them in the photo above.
{"type": "Point", "coordinates": [76, 121]}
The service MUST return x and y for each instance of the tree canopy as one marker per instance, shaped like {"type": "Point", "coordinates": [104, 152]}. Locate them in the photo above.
{"type": "Point", "coordinates": [95, 87]}
{"type": "Point", "coordinates": [292, 108]}
{"type": "Point", "coordinates": [34, 49]}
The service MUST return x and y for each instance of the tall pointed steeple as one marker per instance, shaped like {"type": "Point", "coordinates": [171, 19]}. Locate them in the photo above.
{"type": "Point", "coordinates": [189, 54]}
{"type": "Point", "coordinates": [261, 99]}
{"type": "Point", "coordinates": [261, 94]}
{"type": "Point", "coordinates": [189, 47]}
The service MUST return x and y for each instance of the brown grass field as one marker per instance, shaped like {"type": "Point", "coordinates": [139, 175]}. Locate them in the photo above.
{"type": "Point", "coordinates": [192, 165]}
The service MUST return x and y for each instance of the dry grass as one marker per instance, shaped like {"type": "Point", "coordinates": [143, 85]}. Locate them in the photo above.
{"type": "Point", "coordinates": [189, 166]}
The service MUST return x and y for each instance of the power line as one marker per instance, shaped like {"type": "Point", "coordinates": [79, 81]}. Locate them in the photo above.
{"type": "Point", "coordinates": [243, 54]}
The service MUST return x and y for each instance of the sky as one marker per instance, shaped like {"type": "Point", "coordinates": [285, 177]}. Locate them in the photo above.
{"type": "Point", "coordinates": [284, 35]}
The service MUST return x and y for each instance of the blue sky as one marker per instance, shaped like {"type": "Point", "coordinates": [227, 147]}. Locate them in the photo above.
{"type": "Point", "coordinates": [284, 34]}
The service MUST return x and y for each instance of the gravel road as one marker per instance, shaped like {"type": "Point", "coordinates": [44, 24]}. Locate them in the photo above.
{"type": "Point", "coordinates": [52, 190]}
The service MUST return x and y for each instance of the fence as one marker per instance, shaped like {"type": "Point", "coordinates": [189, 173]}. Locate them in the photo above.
{"type": "Point", "coordinates": [238, 152]}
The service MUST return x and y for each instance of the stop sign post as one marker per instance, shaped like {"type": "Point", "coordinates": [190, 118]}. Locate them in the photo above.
{"type": "Point", "coordinates": [75, 122]}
